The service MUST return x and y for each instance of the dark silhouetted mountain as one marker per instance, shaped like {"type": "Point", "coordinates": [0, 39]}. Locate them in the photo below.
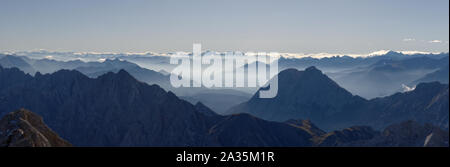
{"type": "Point", "coordinates": [329, 63]}
{"type": "Point", "coordinates": [95, 69]}
{"type": "Point", "coordinates": [427, 103]}
{"type": "Point", "coordinates": [306, 94]}
{"type": "Point", "coordinates": [23, 128]}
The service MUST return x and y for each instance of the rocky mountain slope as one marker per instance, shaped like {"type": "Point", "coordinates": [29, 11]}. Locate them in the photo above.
{"type": "Point", "coordinates": [23, 128]}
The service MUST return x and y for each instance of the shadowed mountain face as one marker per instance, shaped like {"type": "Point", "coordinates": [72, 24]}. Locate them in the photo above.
{"type": "Point", "coordinates": [23, 128]}
{"type": "Point", "coordinates": [244, 129]}
{"type": "Point", "coordinates": [117, 110]}
{"type": "Point", "coordinates": [9, 61]}
{"type": "Point", "coordinates": [311, 95]}
{"type": "Point", "coordinates": [387, 76]}
{"type": "Point", "coordinates": [306, 94]}
{"type": "Point", "coordinates": [440, 75]}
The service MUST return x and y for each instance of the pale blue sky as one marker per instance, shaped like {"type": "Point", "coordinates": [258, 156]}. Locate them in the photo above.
{"type": "Point", "coordinates": [332, 26]}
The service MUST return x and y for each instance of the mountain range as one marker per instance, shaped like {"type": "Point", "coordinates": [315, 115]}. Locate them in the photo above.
{"type": "Point", "coordinates": [368, 77]}
{"type": "Point", "coordinates": [218, 99]}
{"type": "Point", "coordinates": [114, 108]}
{"type": "Point", "coordinates": [386, 76]}
{"type": "Point", "coordinates": [117, 110]}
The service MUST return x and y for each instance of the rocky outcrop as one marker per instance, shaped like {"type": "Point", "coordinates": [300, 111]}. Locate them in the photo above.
{"type": "Point", "coordinates": [23, 128]}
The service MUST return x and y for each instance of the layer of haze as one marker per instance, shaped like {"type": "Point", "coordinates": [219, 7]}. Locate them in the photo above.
{"type": "Point", "coordinates": [346, 26]}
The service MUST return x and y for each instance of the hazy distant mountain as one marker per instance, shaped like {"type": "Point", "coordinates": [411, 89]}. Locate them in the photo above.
{"type": "Point", "coordinates": [415, 63]}
{"type": "Point", "coordinates": [306, 94]}
{"type": "Point", "coordinates": [23, 128]}
{"type": "Point", "coordinates": [45, 66]}
{"type": "Point", "coordinates": [387, 76]}
{"type": "Point", "coordinates": [9, 61]}
{"type": "Point", "coordinates": [374, 76]}
{"type": "Point", "coordinates": [440, 75]}
{"type": "Point", "coordinates": [152, 62]}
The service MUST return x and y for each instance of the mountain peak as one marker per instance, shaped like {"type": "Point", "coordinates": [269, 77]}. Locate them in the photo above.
{"type": "Point", "coordinates": [313, 69]}
{"type": "Point", "coordinates": [122, 72]}
{"type": "Point", "coordinates": [308, 94]}
{"type": "Point", "coordinates": [121, 75]}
